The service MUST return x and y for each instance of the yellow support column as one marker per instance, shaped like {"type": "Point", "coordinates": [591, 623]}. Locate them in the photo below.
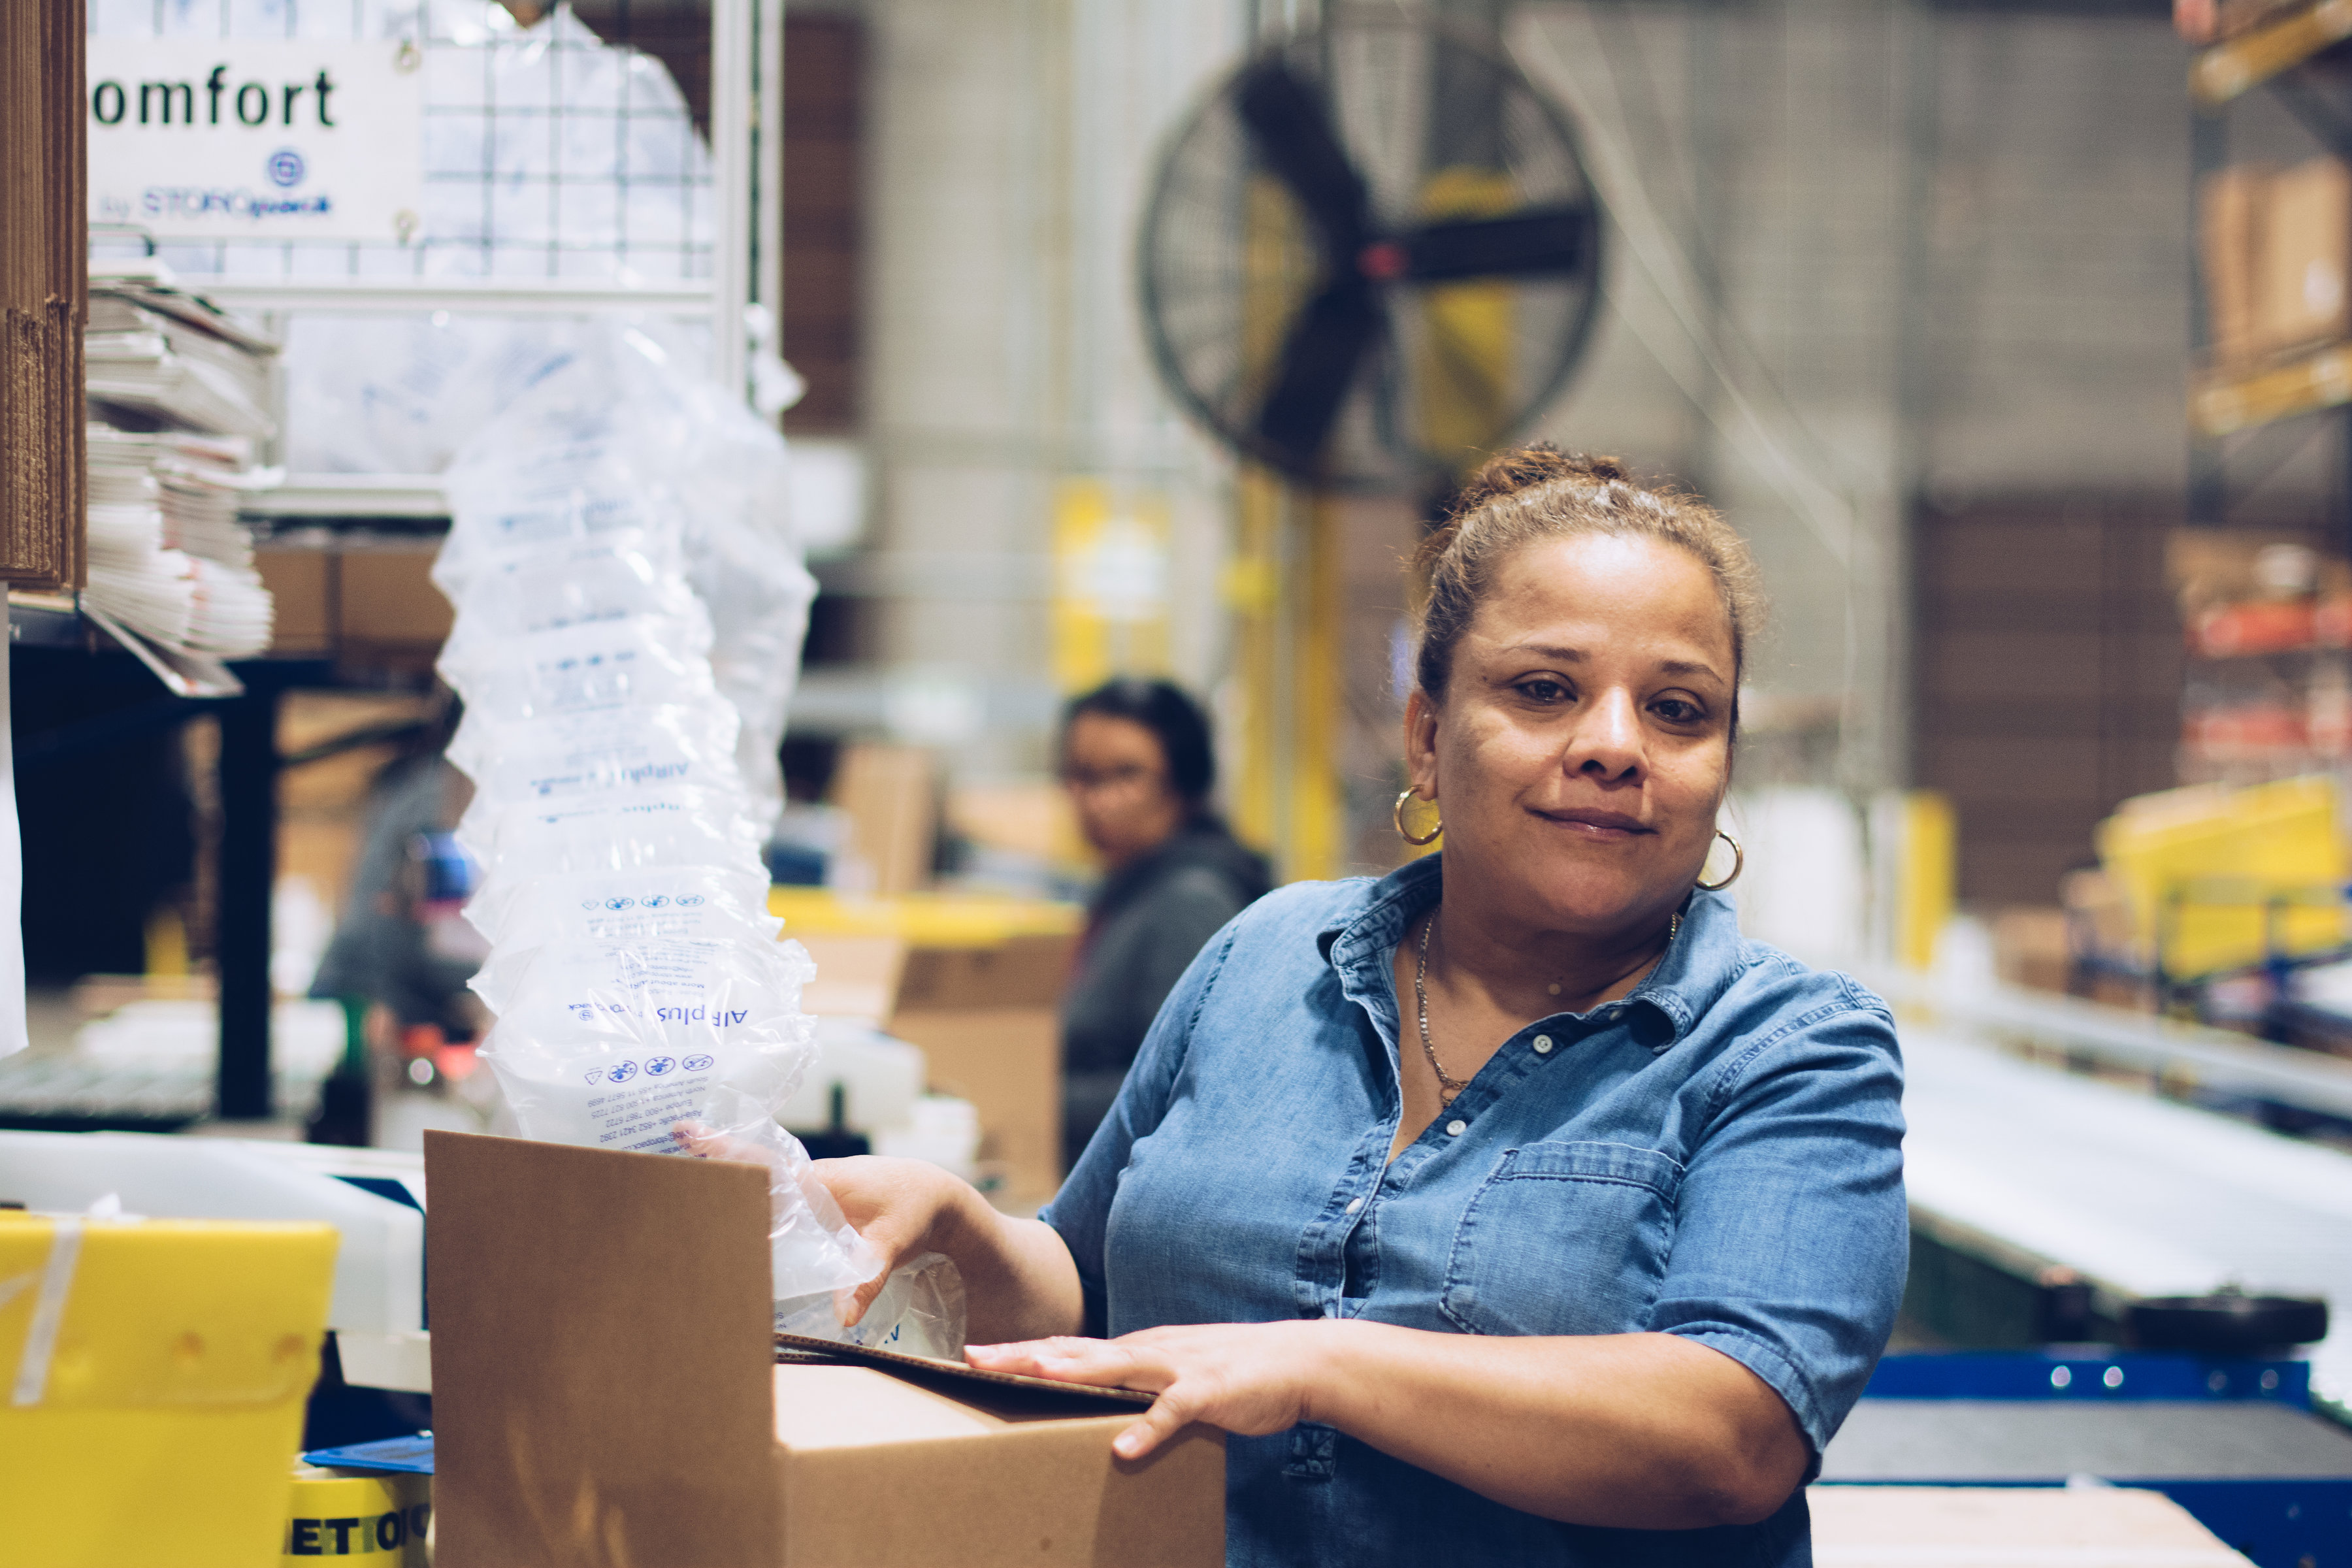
{"type": "Point", "coordinates": [1318, 807]}
{"type": "Point", "coordinates": [1253, 595]}
{"type": "Point", "coordinates": [1924, 899]}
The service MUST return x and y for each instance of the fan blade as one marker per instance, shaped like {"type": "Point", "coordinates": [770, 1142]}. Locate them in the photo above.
{"type": "Point", "coordinates": [1526, 244]}
{"type": "Point", "coordinates": [1326, 342]}
{"type": "Point", "coordinates": [1294, 138]}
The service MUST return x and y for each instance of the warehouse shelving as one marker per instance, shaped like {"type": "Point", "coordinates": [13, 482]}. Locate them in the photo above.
{"type": "Point", "coordinates": [745, 267]}
{"type": "Point", "coordinates": [2226, 403]}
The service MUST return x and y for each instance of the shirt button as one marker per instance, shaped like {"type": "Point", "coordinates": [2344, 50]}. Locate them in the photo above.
{"type": "Point", "coordinates": [1455, 1128]}
{"type": "Point", "coordinates": [1355, 1205]}
{"type": "Point", "coordinates": [1543, 1045]}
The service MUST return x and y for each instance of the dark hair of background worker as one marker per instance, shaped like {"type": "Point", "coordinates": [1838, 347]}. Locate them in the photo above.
{"type": "Point", "coordinates": [1139, 764]}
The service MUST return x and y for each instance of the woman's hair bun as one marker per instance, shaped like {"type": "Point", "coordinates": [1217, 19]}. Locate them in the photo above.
{"type": "Point", "coordinates": [1524, 468]}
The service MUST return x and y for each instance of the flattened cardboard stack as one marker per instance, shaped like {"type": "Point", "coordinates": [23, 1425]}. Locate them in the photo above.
{"type": "Point", "coordinates": [2276, 250]}
{"type": "Point", "coordinates": [43, 242]}
{"type": "Point", "coordinates": [605, 1389]}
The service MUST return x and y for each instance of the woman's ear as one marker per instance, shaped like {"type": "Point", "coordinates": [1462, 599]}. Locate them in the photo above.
{"type": "Point", "coordinates": [1420, 716]}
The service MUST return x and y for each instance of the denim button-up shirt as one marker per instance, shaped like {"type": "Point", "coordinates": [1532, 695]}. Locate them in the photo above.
{"type": "Point", "coordinates": [1718, 1155]}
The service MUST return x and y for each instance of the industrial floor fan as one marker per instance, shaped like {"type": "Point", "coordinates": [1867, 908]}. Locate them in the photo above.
{"type": "Point", "coordinates": [1371, 254]}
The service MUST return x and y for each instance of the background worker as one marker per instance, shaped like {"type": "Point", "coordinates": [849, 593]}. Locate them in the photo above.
{"type": "Point", "coordinates": [1139, 764]}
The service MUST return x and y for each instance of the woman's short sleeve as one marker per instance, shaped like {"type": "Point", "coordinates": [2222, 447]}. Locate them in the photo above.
{"type": "Point", "coordinates": [1792, 1237]}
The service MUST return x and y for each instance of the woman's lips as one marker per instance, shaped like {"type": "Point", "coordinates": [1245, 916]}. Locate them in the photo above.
{"type": "Point", "coordinates": [1596, 824]}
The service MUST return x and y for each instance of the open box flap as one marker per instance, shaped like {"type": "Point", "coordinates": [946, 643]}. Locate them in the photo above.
{"type": "Point", "coordinates": [1085, 1398]}
{"type": "Point", "coordinates": [630, 1423]}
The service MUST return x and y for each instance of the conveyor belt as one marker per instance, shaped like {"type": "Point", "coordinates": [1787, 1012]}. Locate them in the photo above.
{"type": "Point", "coordinates": [2028, 1166]}
{"type": "Point", "coordinates": [2012, 1441]}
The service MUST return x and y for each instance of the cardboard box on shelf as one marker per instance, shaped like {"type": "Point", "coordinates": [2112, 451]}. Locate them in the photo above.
{"type": "Point", "coordinates": [856, 975]}
{"type": "Point", "coordinates": [2028, 947]}
{"type": "Point", "coordinates": [891, 797]}
{"type": "Point", "coordinates": [2304, 257]}
{"type": "Point", "coordinates": [376, 602]}
{"type": "Point", "coordinates": [2229, 212]}
{"type": "Point", "coordinates": [387, 600]}
{"type": "Point", "coordinates": [606, 1389]}
{"type": "Point", "coordinates": [989, 1021]}
{"type": "Point", "coordinates": [302, 618]}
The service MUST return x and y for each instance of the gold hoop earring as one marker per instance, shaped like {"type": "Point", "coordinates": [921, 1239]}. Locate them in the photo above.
{"type": "Point", "coordinates": [1738, 864]}
{"type": "Point", "coordinates": [1426, 838]}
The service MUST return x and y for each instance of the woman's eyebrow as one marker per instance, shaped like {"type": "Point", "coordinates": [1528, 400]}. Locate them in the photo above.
{"type": "Point", "coordinates": [1577, 655]}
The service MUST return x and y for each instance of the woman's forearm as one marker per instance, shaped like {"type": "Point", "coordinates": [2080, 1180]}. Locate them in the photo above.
{"type": "Point", "coordinates": [1647, 1431]}
{"type": "Point", "coordinates": [1020, 1282]}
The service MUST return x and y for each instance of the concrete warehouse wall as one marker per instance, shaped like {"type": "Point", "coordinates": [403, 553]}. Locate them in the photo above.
{"type": "Point", "coordinates": [1955, 240]}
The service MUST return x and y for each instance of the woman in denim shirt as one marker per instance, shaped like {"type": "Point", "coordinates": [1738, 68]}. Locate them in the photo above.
{"type": "Point", "coordinates": [1511, 1208]}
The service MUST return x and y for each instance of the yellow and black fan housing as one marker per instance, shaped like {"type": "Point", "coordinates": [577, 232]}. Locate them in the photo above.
{"type": "Point", "coordinates": [1371, 254]}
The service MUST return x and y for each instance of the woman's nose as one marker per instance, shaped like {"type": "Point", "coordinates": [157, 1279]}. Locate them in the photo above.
{"type": "Point", "coordinates": [1607, 740]}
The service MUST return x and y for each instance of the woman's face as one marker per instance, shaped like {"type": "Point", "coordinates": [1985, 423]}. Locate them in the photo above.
{"type": "Point", "coordinates": [1584, 741]}
{"type": "Point", "coordinates": [1117, 773]}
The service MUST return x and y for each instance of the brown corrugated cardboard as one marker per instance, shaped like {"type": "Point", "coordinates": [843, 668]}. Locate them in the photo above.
{"type": "Point", "coordinates": [2003, 1526]}
{"type": "Point", "coordinates": [856, 976]}
{"type": "Point", "coordinates": [1022, 972]}
{"type": "Point", "coordinates": [987, 1022]}
{"type": "Point", "coordinates": [2301, 267]}
{"type": "Point", "coordinates": [302, 618]}
{"type": "Point", "coordinates": [44, 293]}
{"type": "Point", "coordinates": [890, 794]}
{"type": "Point", "coordinates": [2228, 214]}
{"type": "Point", "coordinates": [387, 598]}
{"type": "Point", "coordinates": [1008, 1062]}
{"type": "Point", "coordinates": [605, 1392]}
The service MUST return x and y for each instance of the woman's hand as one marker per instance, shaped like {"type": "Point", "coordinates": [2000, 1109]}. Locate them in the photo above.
{"type": "Point", "coordinates": [1250, 1378]}
{"type": "Point", "coordinates": [903, 1209]}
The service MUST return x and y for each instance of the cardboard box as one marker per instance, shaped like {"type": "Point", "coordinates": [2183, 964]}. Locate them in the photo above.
{"type": "Point", "coordinates": [2029, 947]}
{"type": "Point", "coordinates": [2003, 1526]}
{"type": "Point", "coordinates": [302, 620]}
{"type": "Point", "coordinates": [2305, 257]}
{"type": "Point", "coordinates": [856, 976]}
{"type": "Point", "coordinates": [891, 797]}
{"type": "Point", "coordinates": [605, 1392]}
{"type": "Point", "coordinates": [387, 598]}
{"type": "Point", "coordinates": [989, 1021]}
{"type": "Point", "coordinates": [376, 602]}
{"type": "Point", "coordinates": [2229, 216]}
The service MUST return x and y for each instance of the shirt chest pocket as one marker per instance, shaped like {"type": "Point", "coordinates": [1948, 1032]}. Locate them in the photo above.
{"type": "Point", "coordinates": [1564, 1238]}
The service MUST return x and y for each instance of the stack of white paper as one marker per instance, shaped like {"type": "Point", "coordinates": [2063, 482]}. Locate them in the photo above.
{"type": "Point", "coordinates": [181, 387]}
{"type": "Point", "coordinates": [164, 355]}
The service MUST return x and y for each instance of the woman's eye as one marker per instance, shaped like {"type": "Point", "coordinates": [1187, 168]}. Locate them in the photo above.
{"type": "Point", "coordinates": [1542, 691]}
{"type": "Point", "coordinates": [1674, 710]}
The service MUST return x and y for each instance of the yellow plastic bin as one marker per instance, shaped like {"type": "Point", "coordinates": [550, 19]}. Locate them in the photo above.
{"type": "Point", "coordinates": [152, 1376]}
{"type": "Point", "coordinates": [2198, 867]}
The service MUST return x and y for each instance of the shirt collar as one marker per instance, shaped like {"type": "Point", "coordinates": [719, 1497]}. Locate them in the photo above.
{"type": "Point", "coordinates": [1699, 964]}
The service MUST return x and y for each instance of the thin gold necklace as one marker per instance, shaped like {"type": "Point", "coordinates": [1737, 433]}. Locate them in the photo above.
{"type": "Point", "coordinates": [1448, 1086]}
